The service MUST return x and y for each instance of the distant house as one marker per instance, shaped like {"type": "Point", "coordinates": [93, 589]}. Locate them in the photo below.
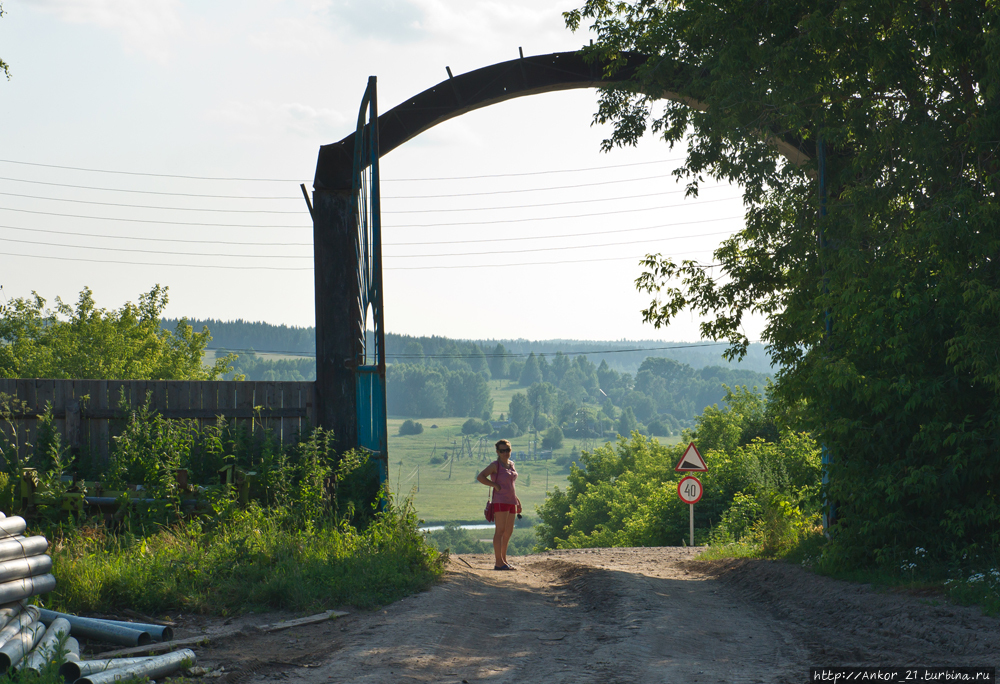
{"type": "Point", "coordinates": [497, 424]}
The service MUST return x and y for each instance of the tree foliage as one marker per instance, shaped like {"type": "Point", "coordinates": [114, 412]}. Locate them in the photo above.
{"type": "Point", "coordinates": [881, 290]}
{"type": "Point", "coordinates": [87, 342]}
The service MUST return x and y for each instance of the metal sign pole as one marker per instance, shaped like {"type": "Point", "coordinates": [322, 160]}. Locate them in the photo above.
{"type": "Point", "coordinates": [691, 507]}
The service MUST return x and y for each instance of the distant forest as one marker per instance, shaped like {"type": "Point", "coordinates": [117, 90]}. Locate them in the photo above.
{"type": "Point", "coordinates": [242, 336]}
{"type": "Point", "coordinates": [658, 391]}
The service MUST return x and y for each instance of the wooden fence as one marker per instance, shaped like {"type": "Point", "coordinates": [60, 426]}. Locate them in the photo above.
{"type": "Point", "coordinates": [88, 415]}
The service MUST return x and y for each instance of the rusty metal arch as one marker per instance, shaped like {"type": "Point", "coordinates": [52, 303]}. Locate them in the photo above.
{"type": "Point", "coordinates": [334, 227]}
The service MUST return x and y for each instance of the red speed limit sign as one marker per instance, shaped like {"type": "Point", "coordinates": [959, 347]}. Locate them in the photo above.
{"type": "Point", "coordinates": [689, 489]}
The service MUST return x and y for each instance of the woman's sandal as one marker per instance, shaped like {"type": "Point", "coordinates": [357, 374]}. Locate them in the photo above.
{"type": "Point", "coordinates": [503, 567]}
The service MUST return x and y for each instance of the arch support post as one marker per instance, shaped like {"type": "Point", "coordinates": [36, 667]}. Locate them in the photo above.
{"type": "Point", "coordinates": [335, 249]}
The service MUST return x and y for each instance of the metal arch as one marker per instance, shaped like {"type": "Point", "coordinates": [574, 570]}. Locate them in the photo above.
{"type": "Point", "coordinates": [487, 86]}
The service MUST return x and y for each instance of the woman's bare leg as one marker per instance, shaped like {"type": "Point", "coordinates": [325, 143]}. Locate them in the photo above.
{"type": "Point", "coordinates": [499, 545]}
{"type": "Point", "coordinates": [507, 532]}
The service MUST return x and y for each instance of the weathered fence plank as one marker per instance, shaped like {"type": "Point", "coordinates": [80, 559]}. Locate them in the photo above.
{"type": "Point", "coordinates": [89, 413]}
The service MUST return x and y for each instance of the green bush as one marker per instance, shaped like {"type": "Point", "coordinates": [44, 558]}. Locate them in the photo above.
{"type": "Point", "coordinates": [408, 427]}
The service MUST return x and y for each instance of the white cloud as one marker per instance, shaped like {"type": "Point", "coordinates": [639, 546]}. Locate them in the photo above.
{"type": "Point", "coordinates": [266, 117]}
{"type": "Point", "coordinates": [148, 27]}
{"type": "Point", "coordinates": [471, 22]}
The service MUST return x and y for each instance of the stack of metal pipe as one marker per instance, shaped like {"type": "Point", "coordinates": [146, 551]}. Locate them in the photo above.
{"type": "Point", "coordinates": [25, 569]}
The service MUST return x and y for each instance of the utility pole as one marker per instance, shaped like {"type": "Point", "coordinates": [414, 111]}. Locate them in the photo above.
{"type": "Point", "coordinates": [418, 478]}
{"type": "Point", "coordinates": [450, 464]}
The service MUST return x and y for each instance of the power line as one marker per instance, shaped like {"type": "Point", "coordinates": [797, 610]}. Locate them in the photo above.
{"type": "Point", "coordinates": [384, 244]}
{"type": "Point", "coordinates": [146, 206]}
{"type": "Point", "coordinates": [415, 225]}
{"type": "Point", "coordinates": [137, 263]}
{"type": "Point", "coordinates": [532, 206]}
{"type": "Point", "coordinates": [550, 249]}
{"type": "Point", "coordinates": [156, 251]}
{"type": "Point", "coordinates": [553, 218]}
{"type": "Point", "coordinates": [562, 235]}
{"type": "Point", "coordinates": [309, 268]}
{"type": "Point", "coordinates": [151, 175]}
{"type": "Point", "coordinates": [556, 187]}
{"type": "Point", "coordinates": [170, 223]}
{"type": "Point", "coordinates": [299, 180]}
{"type": "Point", "coordinates": [151, 192]}
{"type": "Point", "coordinates": [510, 355]}
{"type": "Point", "coordinates": [150, 239]}
{"type": "Point", "coordinates": [534, 173]}
{"type": "Point", "coordinates": [385, 197]}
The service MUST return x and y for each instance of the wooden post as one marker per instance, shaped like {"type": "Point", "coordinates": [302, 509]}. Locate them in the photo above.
{"type": "Point", "coordinates": [338, 317]}
{"type": "Point", "coordinates": [73, 426]}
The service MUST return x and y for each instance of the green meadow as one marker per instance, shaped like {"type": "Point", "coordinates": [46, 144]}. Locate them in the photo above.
{"type": "Point", "coordinates": [447, 491]}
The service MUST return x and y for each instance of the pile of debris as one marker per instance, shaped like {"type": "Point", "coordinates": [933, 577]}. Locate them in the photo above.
{"type": "Point", "coordinates": [34, 639]}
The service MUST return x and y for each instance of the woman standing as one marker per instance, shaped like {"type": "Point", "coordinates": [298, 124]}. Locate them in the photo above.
{"type": "Point", "coordinates": [505, 502]}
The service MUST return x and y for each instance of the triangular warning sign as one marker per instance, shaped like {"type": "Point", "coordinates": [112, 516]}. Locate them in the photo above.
{"type": "Point", "coordinates": [691, 461]}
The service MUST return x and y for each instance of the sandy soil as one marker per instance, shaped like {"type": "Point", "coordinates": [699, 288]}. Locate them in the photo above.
{"type": "Point", "coordinates": [617, 615]}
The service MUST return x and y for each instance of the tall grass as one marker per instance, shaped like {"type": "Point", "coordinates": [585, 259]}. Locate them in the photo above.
{"type": "Point", "coordinates": [255, 560]}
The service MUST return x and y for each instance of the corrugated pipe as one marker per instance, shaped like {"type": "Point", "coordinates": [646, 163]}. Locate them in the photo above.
{"type": "Point", "coordinates": [22, 548]}
{"type": "Point", "coordinates": [154, 668]}
{"type": "Point", "coordinates": [73, 671]}
{"type": "Point", "coordinates": [25, 587]}
{"type": "Point", "coordinates": [15, 649]}
{"type": "Point", "coordinates": [101, 630]}
{"type": "Point", "coordinates": [48, 647]}
{"type": "Point", "coordinates": [14, 627]}
{"type": "Point", "coordinates": [11, 526]}
{"type": "Point", "coordinates": [20, 568]}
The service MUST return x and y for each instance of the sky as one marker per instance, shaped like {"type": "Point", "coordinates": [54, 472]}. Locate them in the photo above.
{"type": "Point", "coordinates": [163, 142]}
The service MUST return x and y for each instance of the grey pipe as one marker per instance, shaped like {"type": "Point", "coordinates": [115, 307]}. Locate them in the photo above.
{"type": "Point", "coordinates": [72, 671]}
{"type": "Point", "coordinates": [22, 548]}
{"type": "Point", "coordinates": [11, 526]}
{"type": "Point", "coordinates": [154, 668]}
{"type": "Point", "coordinates": [14, 627]}
{"type": "Point", "coordinates": [48, 647]}
{"type": "Point", "coordinates": [15, 649]}
{"type": "Point", "coordinates": [72, 648]}
{"type": "Point", "coordinates": [25, 587]}
{"type": "Point", "coordinates": [99, 630]}
{"type": "Point", "coordinates": [158, 632]}
{"type": "Point", "coordinates": [20, 568]}
{"type": "Point", "coordinates": [9, 612]}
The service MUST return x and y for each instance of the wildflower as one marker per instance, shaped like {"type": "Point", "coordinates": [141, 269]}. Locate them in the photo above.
{"type": "Point", "coordinates": [978, 577]}
{"type": "Point", "coordinates": [920, 551]}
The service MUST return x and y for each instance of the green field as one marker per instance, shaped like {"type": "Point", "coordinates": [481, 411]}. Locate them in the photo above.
{"type": "Point", "coordinates": [448, 491]}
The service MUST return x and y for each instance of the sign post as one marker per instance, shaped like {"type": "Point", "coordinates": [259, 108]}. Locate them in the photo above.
{"type": "Point", "coordinates": [689, 489]}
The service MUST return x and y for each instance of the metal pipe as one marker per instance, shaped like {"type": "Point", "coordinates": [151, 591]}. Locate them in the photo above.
{"type": "Point", "coordinates": [19, 568]}
{"type": "Point", "coordinates": [72, 671]}
{"type": "Point", "coordinates": [25, 587]}
{"type": "Point", "coordinates": [99, 630]}
{"type": "Point", "coordinates": [158, 632]}
{"type": "Point", "coordinates": [19, 547]}
{"type": "Point", "coordinates": [9, 612]}
{"type": "Point", "coordinates": [48, 647]}
{"type": "Point", "coordinates": [15, 649]}
{"type": "Point", "coordinates": [72, 648]}
{"type": "Point", "coordinates": [11, 526]}
{"type": "Point", "coordinates": [154, 668]}
{"type": "Point", "coordinates": [25, 618]}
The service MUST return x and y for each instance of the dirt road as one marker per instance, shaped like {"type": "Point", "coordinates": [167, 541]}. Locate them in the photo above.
{"type": "Point", "coordinates": [624, 615]}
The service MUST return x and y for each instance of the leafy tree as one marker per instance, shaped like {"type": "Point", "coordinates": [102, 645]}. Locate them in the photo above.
{"type": "Point", "coordinates": [478, 362]}
{"type": "Point", "coordinates": [498, 362]}
{"type": "Point", "coordinates": [553, 438]}
{"type": "Point", "coordinates": [87, 342]}
{"type": "Point", "coordinates": [468, 394]}
{"type": "Point", "coordinates": [531, 373]}
{"type": "Point", "coordinates": [627, 423]}
{"type": "Point", "coordinates": [520, 410]}
{"type": "Point", "coordinates": [877, 269]}
{"type": "Point", "coordinates": [415, 390]}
